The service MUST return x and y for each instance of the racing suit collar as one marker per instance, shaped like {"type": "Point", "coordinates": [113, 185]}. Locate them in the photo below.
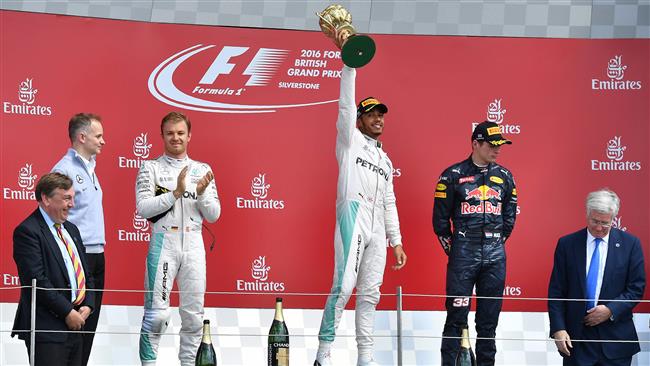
{"type": "Point", "coordinates": [478, 167]}
{"type": "Point", "coordinates": [176, 163]}
{"type": "Point", "coordinates": [372, 140]}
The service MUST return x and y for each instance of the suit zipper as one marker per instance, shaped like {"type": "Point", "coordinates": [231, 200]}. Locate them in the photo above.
{"type": "Point", "coordinates": [374, 203]}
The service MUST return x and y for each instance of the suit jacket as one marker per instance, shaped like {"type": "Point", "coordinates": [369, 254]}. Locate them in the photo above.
{"type": "Point", "coordinates": [624, 279]}
{"type": "Point", "coordinates": [37, 255]}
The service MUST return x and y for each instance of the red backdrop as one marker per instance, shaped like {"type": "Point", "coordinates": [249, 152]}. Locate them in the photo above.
{"type": "Point", "coordinates": [261, 103]}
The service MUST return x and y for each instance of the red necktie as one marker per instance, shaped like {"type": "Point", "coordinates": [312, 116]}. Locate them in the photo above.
{"type": "Point", "coordinates": [78, 269]}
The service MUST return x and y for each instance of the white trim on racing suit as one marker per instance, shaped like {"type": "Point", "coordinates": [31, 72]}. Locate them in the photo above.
{"type": "Point", "coordinates": [176, 251]}
{"type": "Point", "coordinates": [366, 216]}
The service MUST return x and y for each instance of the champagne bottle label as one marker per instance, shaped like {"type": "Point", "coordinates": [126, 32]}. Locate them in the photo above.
{"type": "Point", "coordinates": [279, 354]}
{"type": "Point", "coordinates": [278, 351]}
{"type": "Point", "coordinates": [282, 356]}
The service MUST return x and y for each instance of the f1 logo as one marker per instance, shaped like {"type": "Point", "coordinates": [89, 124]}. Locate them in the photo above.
{"type": "Point", "coordinates": [220, 65]}
{"type": "Point", "coordinates": [264, 64]}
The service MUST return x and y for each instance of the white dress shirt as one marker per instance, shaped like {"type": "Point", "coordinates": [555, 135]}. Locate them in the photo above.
{"type": "Point", "coordinates": [64, 253]}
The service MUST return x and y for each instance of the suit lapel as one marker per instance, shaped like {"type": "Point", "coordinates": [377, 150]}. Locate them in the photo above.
{"type": "Point", "coordinates": [610, 263]}
{"type": "Point", "coordinates": [51, 243]}
{"type": "Point", "coordinates": [581, 260]}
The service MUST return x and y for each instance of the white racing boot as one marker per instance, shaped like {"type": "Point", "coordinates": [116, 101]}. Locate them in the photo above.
{"type": "Point", "coordinates": [366, 361]}
{"type": "Point", "coordinates": [323, 359]}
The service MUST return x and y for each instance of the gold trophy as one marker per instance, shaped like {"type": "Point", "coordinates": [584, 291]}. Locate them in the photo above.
{"type": "Point", "coordinates": [336, 22]}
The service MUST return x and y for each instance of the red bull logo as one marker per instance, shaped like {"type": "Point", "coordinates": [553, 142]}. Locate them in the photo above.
{"type": "Point", "coordinates": [482, 193]}
{"type": "Point", "coordinates": [485, 207]}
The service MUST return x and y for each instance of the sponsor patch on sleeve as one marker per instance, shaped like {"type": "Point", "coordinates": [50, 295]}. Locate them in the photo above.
{"type": "Point", "coordinates": [514, 191]}
{"type": "Point", "coordinates": [441, 187]}
{"type": "Point", "coordinates": [440, 195]}
{"type": "Point", "coordinates": [496, 179]}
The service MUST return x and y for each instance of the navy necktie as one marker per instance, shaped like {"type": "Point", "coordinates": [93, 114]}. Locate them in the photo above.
{"type": "Point", "coordinates": [592, 275]}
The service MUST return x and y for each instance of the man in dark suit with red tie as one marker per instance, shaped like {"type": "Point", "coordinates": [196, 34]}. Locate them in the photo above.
{"type": "Point", "coordinates": [605, 266]}
{"type": "Point", "coordinates": [49, 249]}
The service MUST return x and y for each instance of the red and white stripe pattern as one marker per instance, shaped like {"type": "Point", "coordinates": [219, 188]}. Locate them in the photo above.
{"type": "Point", "coordinates": [78, 269]}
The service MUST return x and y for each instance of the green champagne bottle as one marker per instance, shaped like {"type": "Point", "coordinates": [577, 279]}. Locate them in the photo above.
{"type": "Point", "coordinates": [278, 354]}
{"type": "Point", "coordinates": [206, 356]}
{"type": "Point", "coordinates": [465, 356]}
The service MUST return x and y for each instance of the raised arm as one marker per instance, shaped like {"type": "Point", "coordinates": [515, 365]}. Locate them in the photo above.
{"type": "Point", "coordinates": [347, 118]}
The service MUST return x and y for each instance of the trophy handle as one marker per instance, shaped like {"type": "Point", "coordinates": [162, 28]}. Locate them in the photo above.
{"type": "Point", "coordinates": [325, 20]}
{"type": "Point", "coordinates": [343, 34]}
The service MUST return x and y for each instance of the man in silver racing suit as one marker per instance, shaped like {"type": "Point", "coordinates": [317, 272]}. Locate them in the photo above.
{"type": "Point", "coordinates": [366, 220]}
{"type": "Point", "coordinates": [175, 193]}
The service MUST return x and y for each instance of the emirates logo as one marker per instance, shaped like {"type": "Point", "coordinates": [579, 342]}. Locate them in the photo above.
{"type": "Point", "coordinates": [260, 191]}
{"type": "Point", "coordinates": [26, 93]}
{"type": "Point", "coordinates": [139, 222]}
{"type": "Point", "coordinates": [495, 112]}
{"type": "Point", "coordinates": [614, 153]}
{"type": "Point", "coordinates": [141, 150]}
{"type": "Point", "coordinates": [260, 282]}
{"type": "Point", "coordinates": [259, 188]}
{"type": "Point", "coordinates": [26, 179]}
{"type": "Point", "coordinates": [260, 270]}
{"type": "Point", "coordinates": [140, 146]}
{"type": "Point", "coordinates": [615, 149]}
{"type": "Point", "coordinates": [616, 73]}
{"type": "Point", "coordinates": [26, 98]}
{"type": "Point", "coordinates": [615, 68]}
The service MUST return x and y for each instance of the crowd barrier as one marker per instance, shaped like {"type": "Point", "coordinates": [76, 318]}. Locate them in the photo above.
{"type": "Point", "coordinates": [397, 336]}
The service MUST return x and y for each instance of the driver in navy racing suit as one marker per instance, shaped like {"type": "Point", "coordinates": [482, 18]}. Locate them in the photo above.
{"type": "Point", "coordinates": [478, 196]}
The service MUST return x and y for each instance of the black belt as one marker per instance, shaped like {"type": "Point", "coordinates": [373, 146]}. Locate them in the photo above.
{"type": "Point", "coordinates": [478, 234]}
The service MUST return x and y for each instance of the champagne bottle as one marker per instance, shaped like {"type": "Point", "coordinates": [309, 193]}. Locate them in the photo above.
{"type": "Point", "coordinates": [206, 356]}
{"type": "Point", "coordinates": [465, 356]}
{"type": "Point", "coordinates": [278, 338]}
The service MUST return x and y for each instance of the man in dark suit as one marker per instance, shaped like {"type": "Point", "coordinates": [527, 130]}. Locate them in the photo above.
{"type": "Point", "coordinates": [605, 267]}
{"type": "Point", "coordinates": [49, 249]}
{"type": "Point", "coordinates": [79, 163]}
